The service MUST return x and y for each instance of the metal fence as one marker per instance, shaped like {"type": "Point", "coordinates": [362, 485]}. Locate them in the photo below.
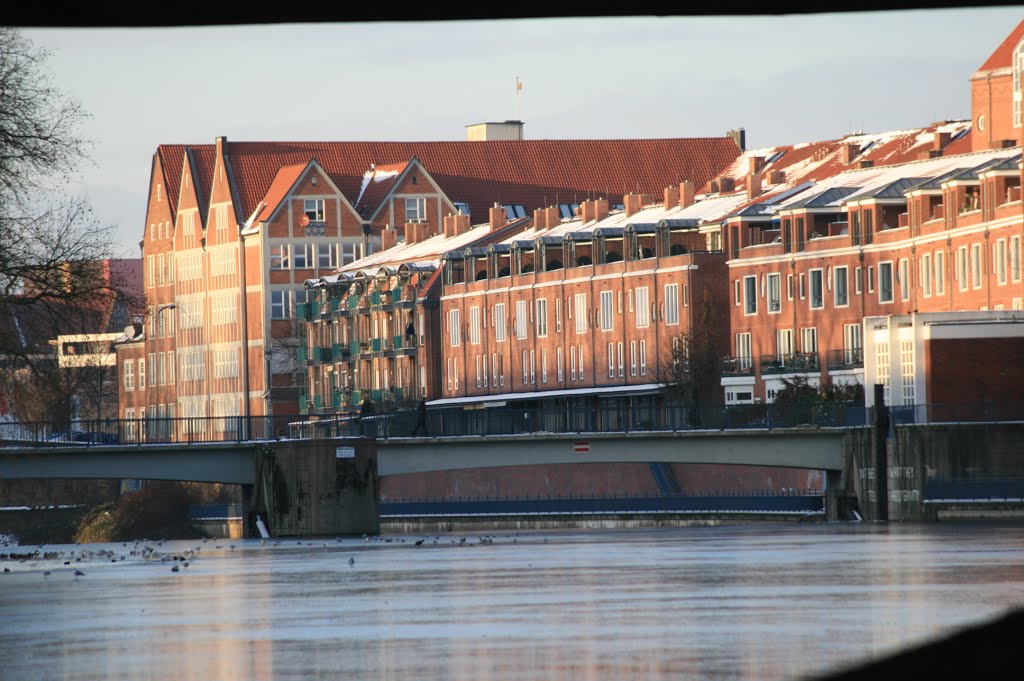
{"type": "Point", "coordinates": [508, 420]}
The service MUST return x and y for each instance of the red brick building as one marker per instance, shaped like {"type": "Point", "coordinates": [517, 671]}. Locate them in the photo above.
{"type": "Point", "coordinates": [234, 230]}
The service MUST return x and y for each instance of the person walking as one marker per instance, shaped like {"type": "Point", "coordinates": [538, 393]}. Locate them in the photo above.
{"type": "Point", "coordinates": [421, 419]}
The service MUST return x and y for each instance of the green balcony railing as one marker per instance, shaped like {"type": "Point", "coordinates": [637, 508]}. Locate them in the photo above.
{"type": "Point", "coordinates": [336, 398]}
{"type": "Point", "coordinates": [397, 392]}
{"type": "Point", "coordinates": [326, 354]}
{"type": "Point", "coordinates": [357, 397]}
{"type": "Point", "coordinates": [376, 344]}
{"type": "Point", "coordinates": [302, 354]}
{"type": "Point", "coordinates": [377, 395]}
{"type": "Point", "coordinates": [302, 404]}
{"type": "Point", "coordinates": [318, 401]}
{"type": "Point", "coordinates": [338, 351]}
{"type": "Point", "coordinates": [375, 298]}
{"type": "Point", "coordinates": [317, 354]}
{"type": "Point", "coordinates": [353, 302]}
{"type": "Point", "coordinates": [353, 348]}
{"type": "Point", "coordinates": [396, 342]}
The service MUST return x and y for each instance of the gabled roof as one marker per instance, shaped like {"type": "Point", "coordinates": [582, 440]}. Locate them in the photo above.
{"type": "Point", "coordinates": [822, 199]}
{"type": "Point", "coordinates": [893, 190]}
{"type": "Point", "coordinates": [529, 172]}
{"type": "Point", "coordinates": [1002, 57]}
{"type": "Point", "coordinates": [377, 183]}
{"type": "Point", "coordinates": [283, 182]}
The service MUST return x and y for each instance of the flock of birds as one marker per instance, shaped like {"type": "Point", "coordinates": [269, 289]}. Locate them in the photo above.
{"type": "Point", "coordinates": [152, 552]}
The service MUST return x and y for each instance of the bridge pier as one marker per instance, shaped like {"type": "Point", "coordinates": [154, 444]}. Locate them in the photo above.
{"type": "Point", "coordinates": [316, 487]}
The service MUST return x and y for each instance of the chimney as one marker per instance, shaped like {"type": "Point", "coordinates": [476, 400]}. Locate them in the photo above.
{"type": "Point", "coordinates": [671, 197]}
{"type": "Point", "coordinates": [941, 140]}
{"type": "Point", "coordinates": [776, 176]}
{"type": "Point", "coordinates": [587, 211]}
{"type": "Point", "coordinates": [739, 136]}
{"type": "Point", "coordinates": [753, 185]}
{"type": "Point", "coordinates": [755, 164]}
{"type": "Point", "coordinates": [600, 209]}
{"type": "Point", "coordinates": [496, 217]}
{"type": "Point", "coordinates": [415, 232]}
{"type": "Point", "coordinates": [554, 217]}
{"type": "Point", "coordinates": [686, 194]}
{"type": "Point", "coordinates": [460, 224]}
{"type": "Point", "coordinates": [221, 143]}
{"type": "Point", "coordinates": [726, 184]}
{"type": "Point", "coordinates": [631, 204]}
{"type": "Point", "coordinates": [713, 187]}
{"type": "Point", "coordinates": [540, 218]}
{"type": "Point", "coordinates": [849, 152]}
{"type": "Point", "coordinates": [388, 238]}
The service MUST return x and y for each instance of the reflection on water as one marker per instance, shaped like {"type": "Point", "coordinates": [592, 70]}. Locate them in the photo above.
{"type": "Point", "coordinates": [758, 602]}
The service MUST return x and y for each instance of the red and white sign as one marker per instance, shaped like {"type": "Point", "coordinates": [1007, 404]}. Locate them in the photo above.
{"type": "Point", "coordinates": [581, 446]}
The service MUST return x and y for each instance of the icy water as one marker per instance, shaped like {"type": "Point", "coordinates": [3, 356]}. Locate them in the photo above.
{"type": "Point", "coordinates": [754, 602]}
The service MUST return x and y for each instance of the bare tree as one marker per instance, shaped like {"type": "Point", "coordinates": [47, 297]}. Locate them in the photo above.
{"type": "Point", "coordinates": [691, 377]}
{"type": "Point", "coordinates": [52, 276]}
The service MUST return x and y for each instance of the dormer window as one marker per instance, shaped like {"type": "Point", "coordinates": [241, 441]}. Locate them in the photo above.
{"type": "Point", "coordinates": [314, 209]}
{"type": "Point", "coordinates": [513, 211]}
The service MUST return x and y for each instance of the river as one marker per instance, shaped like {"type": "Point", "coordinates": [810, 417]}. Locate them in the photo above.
{"type": "Point", "coordinates": [763, 601]}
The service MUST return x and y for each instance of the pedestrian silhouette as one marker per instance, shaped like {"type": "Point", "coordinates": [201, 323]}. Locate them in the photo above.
{"type": "Point", "coordinates": [421, 419]}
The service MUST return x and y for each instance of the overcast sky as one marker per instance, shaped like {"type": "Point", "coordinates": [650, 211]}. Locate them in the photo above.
{"type": "Point", "coordinates": [786, 79]}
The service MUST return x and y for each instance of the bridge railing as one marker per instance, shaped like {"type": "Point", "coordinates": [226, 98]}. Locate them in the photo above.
{"type": "Point", "coordinates": [508, 420]}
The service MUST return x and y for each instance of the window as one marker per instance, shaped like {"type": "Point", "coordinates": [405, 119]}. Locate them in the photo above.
{"type": "Point", "coordinates": [611, 360]}
{"type": "Point", "coordinates": [749, 295]}
{"type": "Point", "coordinates": [784, 342]}
{"type": "Point", "coordinates": [279, 257]}
{"type": "Point", "coordinates": [622, 358]}
{"type": "Point", "coordinates": [542, 318]}
{"type": "Point", "coordinates": [672, 303]}
{"type": "Point", "coordinates": [632, 358]}
{"type": "Point", "coordinates": [558, 316]}
{"type": "Point", "coordinates": [279, 307]}
{"type": "Point", "coordinates": [852, 341]}
{"type": "Point", "coordinates": [857, 278]}
{"type": "Point", "coordinates": [643, 358]}
{"type": "Point", "coordinates": [422, 328]}
{"type": "Point", "coordinates": [581, 312]}
{"type": "Point", "coordinates": [161, 376]}
{"type": "Point", "coordinates": [302, 256]}
{"type": "Point", "coordinates": [415, 210]}
{"type": "Point", "coordinates": [474, 325]}
{"type": "Point", "coordinates": [744, 352]}
{"type": "Point", "coordinates": [803, 286]}
{"type": "Point", "coordinates": [885, 282]}
{"type": "Point", "coordinates": [160, 269]}
{"type": "Point", "coordinates": [738, 295]}
{"type": "Point", "coordinates": [907, 370]}
{"type": "Point", "coordinates": [871, 278]}
{"type": "Point", "coordinates": [940, 272]}
{"type": "Point", "coordinates": [809, 340]}
{"type": "Point", "coordinates": [499, 321]}
{"type": "Point", "coordinates": [841, 286]}
{"type": "Point", "coordinates": [904, 279]}
{"type": "Point", "coordinates": [579, 351]}
{"type": "Point", "coordinates": [559, 365]}
{"type": "Point", "coordinates": [453, 328]}
{"type": "Point", "coordinates": [961, 267]}
{"type": "Point", "coordinates": [999, 258]}
{"type": "Point", "coordinates": [572, 362]}
{"type": "Point", "coordinates": [142, 373]}
{"type": "Point", "coordinates": [543, 365]}
{"type": "Point", "coordinates": [607, 307]}
{"type": "Point", "coordinates": [326, 256]}
{"type": "Point", "coordinates": [526, 370]}
{"type": "Point", "coordinates": [151, 269]}
{"type": "Point", "coordinates": [924, 275]}
{"type": "Point", "coordinates": [1014, 258]}
{"type": "Point", "coordinates": [774, 293]}
{"type": "Point", "coordinates": [129, 374]}
{"type": "Point", "coordinates": [817, 289]}
{"type": "Point", "coordinates": [349, 252]}
{"type": "Point", "coordinates": [314, 209]}
{"type": "Point", "coordinates": [513, 211]}
{"type": "Point", "coordinates": [643, 308]}
{"type": "Point", "coordinates": [522, 318]}
{"type": "Point", "coordinates": [976, 265]}
{"type": "Point", "coordinates": [170, 367]}
{"type": "Point", "coordinates": [789, 287]}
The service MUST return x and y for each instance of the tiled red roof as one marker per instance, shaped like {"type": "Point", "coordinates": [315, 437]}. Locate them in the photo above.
{"type": "Point", "coordinates": [279, 188]}
{"type": "Point", "coordinates": [380, 181]}
{"type": "Point", "coordinates": [172, 157]}
{"type": "Point", "coordinates": [530, 172]}
{"type": "Point", "coordinates": [1003, 56]}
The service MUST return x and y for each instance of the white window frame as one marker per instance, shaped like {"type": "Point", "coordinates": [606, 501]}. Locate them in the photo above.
{"type": "Point", "coordinates": [904, 277]}
{"type": "Point", "coordinates": [774, 293]}
{"type": "Point", "coordinates": [882, 267]}
{"type": "Point", "coordinates": [416, 209]}
{"type": "Point", "coordinates": [749, 295]}
{"type": "Point", "coordinates": [314, 209]}
{"type": "Point", "coordinates": [925, 275]}
{"type": "Point", "coordinates": [999, 260]}
{"type": "Point", "coordinates": [607, 309]}
{"type": "Point", "coordinates": [522, 318]}
{"type": "Point", "coordinates": [280, 256]}
{"type": "Point", "coordinates": [280, 304]}
{"type": "Point", "coordinates": [841, 273]}
{"type": "Point", "coordinates": [580, 304]}
{"type": "Point", "coordinates": [326, 256]}
{"type": "Point", "coordinates": [962, 267]}
{"type": "Point", "coordinates": [939, 266]}
{"type": "Point", "coordinates": [976, 266]}
{"type": "Point", "coordinates": [129, 375]}
{"type": "Point", "coordinates": [671, 304]}
{"type": "Point", "coordinates": [454, 329]}
{"type": "Point", "coordinates": [499, 322]}
{"type": "Point", "coordinates": [542, 317]}
{"type": "Point", "coordinates": [643, 307]}
{"type": "Point", "coordinates": [816, 274]}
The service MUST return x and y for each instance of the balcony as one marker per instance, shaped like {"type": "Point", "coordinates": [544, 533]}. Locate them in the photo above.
{"type": "Point", "coordinates": [302, 404]}
{"type": "Point", "coordinates": [353, 302]}
{"type": "Point", "coordinates": [791, 363]}
{"type": "Point", "coordinates": [302, 353]}
{"type": "Point", "coordinates": [326, 354]}
{"type": "Point", "coordinates": [737, 366]}
{"type": "Point", "coordinates": [303, 312]}
{"type": "Point", "coordinates": [353, 349]}
{"type": "Point", "coordinates": [318, 401]}
{"type": "Point", "coordinates": [849, 358]}
{"type": "Point", "coordinates": [339, 351]}
{"type": "Point", "coordinates": [376, 344]}
{"type": "Point", "coordinates": [336, 398]}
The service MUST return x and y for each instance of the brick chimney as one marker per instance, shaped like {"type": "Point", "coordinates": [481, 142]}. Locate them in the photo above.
{"type": "Point", "coordinates": [460, 224]}
{"type": "Point", "coordinates": [687, 196]}
{"type": "Point", "coordinates": [726, 184]}
{"type": "Point", "coordinates": [414, 232]}
{"type": "Point", "coordinates": [671, 197]}
{"type": "Point", "coordinates": [753, 185]}
{"type": "Point", "coordinates": [713, 187]}
{"type": "Point", "coordinates": [631, 204]}
{"type": "Point", "coordinates": [496, 217]}
{"type": "Point", "coordinates": [776, 176]}
{"type": "Point", "coordinates": [554, 217]}
{"type": "Point", "coordinates": [540, 218]}
{"type": "Point", "coordinates": [941, 140]}
{"type": "Point", "coordinates": [849, 152]}
{"type": "Point", "coordinates": [755, 164]}
{"type": "Point", "coordinates": [600, 209]}
{"type": "Point", "coordinates": [388, 238]}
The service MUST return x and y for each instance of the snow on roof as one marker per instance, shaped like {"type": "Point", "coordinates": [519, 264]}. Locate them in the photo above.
{"type": "Point", "coordinates": [426, 252]}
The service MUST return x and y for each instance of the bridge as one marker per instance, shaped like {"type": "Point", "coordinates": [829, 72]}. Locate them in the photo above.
{"type": "Point", "coordinates": [339, 462]}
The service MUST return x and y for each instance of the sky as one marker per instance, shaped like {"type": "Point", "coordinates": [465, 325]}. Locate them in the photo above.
{"type": "Point", "coordinates": [785, 79]}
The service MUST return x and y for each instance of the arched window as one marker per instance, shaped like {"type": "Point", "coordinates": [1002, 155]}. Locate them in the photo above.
{"type": "Point", "coordinates": [677, 249]}
{"type": "Point", "coordinates": [584, 260]}
{"type": "Point", "coordinates": [481, 275]}
{"type": "Point", "coordinates": [613, 256]}
{"type": "Point", "coordinates": [554, 265]}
